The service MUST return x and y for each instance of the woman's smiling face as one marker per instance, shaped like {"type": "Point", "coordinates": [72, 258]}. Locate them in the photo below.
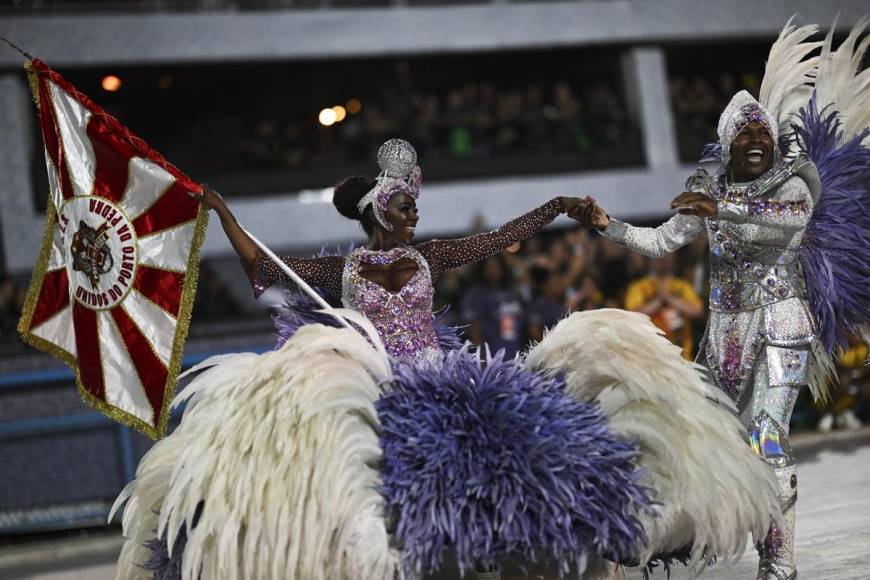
{"type": "Point", "coordinates": [402, 215]}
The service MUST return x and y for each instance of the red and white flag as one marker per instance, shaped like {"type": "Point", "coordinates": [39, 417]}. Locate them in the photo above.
{"type": "Point", "coordinates": [112, 292]}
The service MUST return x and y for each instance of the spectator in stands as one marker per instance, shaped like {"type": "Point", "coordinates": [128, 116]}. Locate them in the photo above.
{"type": "Point", "coordinates": [8, 312]}
{"type": "Point", "coordinates": [493, 311]}
{"type": "Point", "coordinates": [213, 302]}
{"type": "Point", "coordinates": [614, 274]}
{"type": "Point", "coordinates": [587, 295]}
{"type": "Point", "coordinates": [670, 301]}
{"type": "Point", "coordinates": [851, 369]}
{"type": "Point", "coordinates": [548, 306]}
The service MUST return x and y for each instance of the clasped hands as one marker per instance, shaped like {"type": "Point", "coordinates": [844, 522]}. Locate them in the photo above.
{"type": "Point", "coordinates": [588, 213]}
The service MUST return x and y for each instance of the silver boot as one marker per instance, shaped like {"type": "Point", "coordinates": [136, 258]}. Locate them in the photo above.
{"type": "Point", "coordinates": [777, 549]}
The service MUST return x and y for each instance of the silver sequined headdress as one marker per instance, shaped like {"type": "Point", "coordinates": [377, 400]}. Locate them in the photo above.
{"type": "Point", "coordinates": [399, 174]}
{"type": "Point", "coordinates": [786, 86]}
{"type": "Point", "coordinates": [742, 110]}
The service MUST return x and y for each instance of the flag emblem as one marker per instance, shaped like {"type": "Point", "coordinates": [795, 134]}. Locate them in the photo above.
{"type": "Point", "coordinates": [101, 261]}
{"type": "Point", "coordinates": [112, 291]}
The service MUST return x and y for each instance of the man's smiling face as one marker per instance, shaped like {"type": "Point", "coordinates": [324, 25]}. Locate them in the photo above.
{"type": "Point", "coordinates": [751, 152]}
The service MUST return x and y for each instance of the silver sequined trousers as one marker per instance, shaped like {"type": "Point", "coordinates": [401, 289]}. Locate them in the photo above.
{"type": "Point", "coordinates": [759, 338]}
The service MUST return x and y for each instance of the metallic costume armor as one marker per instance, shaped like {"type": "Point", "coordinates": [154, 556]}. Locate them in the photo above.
{"type": "Point", "coordinates": [760, 337]}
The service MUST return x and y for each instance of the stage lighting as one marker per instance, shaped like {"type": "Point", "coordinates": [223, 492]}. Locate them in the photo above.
{"type": "Point", "coordinates": [327, 117]}
{"type": "Point", "coordinates": [354, 106]}
{"type": "Point", "coordinates": [340, 113]}
{"type": "Point", "coordinates": [111, 83]}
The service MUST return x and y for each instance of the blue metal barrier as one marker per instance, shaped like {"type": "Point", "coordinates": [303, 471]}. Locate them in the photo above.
{"type": "Point", "coordinates": [75, 514]}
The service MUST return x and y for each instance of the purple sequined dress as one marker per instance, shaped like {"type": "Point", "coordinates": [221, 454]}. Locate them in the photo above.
{"type": "Point", "coordinates": [404, 318]}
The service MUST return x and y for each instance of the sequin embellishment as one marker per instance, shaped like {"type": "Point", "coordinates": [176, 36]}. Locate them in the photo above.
{"type": "Point", "coordinates": [403, 319]}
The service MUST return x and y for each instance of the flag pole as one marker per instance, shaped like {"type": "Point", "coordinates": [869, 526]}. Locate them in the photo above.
{"type": "Point", "coordinates": [303, 285]}
{"type": "Point", "coordinates": [23, 52]}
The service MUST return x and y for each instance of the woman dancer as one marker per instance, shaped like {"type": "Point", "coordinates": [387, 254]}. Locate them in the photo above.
{"type": "Point", "coordinates": [368, 455]}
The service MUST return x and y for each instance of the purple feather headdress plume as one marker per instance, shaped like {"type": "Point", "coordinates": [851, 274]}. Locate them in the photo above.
{"type": "Point", "coordinates": [835, 252]}
{"type": "Point", "coordinates": [712, 153]}
{"type": "Point", "coordinates": [490, 460]}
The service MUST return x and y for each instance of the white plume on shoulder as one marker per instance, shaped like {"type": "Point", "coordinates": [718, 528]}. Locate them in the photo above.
{"type": "Point", "coordinates": [841, 84]}
{"type": "Point", "coordinates": [282, 449]}
{"type": "Point", "coordinates": [693, 449]}
{"type": "Point", "coordinates": [789, 74]}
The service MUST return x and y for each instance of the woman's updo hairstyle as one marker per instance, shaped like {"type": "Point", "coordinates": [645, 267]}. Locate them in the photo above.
{"type": "Point", "coordinates": [347, 195]}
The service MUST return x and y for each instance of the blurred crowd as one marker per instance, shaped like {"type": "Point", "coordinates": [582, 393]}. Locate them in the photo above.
{"type": "Point", "coordinates": [507, 301]}
{"type": "Point", "coordinates": [698, 101]}
{"type": "Point", "coordinates": [12, 295]}
{"type": "Point", "coordinates": [536, 126]}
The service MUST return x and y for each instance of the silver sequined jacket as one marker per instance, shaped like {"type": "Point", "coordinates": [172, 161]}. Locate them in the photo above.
{"type": "Point", "coordinates": [757, 289]}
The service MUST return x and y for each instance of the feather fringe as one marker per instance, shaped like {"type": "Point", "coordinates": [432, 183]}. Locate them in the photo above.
{"type": "Point", "coordinates": [835, 250]}
{"type": "Point", "coordinates": [840, 84]}
{"type": "Point", "coordinates": [693, 448]}
{"type": "Point", "coordinates": [789, 74]}
{"type": "Point", "coordinates": [281, 450]}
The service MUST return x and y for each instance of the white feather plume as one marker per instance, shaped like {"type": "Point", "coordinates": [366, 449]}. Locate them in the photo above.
{"type": "Point", "coordinates": [282, 449]}
{"type": "Point", "coordinates": [840, 83]}
{"type": "Point", "coordinates": [788, 75]}
{"type": "Point", "coordinates": [714, 491]}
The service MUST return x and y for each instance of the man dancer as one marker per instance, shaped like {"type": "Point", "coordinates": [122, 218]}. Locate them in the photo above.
{"type": "Point", "coordinates": [760, 340]}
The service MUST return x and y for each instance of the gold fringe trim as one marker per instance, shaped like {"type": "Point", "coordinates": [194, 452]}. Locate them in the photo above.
{"type": "Point", "coordinates": [37, 278]}
{"type": "Point", "coordinates": [182, 325]}
{"type": "Point", "coordinates": [33, 81]}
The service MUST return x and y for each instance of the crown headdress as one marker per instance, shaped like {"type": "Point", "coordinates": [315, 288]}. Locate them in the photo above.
{"type": "Point", "coordinates": [399, 173]}
{"type": "Point", "coordinates": [742, 110]}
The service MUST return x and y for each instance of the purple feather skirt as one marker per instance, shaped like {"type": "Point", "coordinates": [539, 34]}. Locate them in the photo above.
{"type": "Point", "coordinates": [489, 461]}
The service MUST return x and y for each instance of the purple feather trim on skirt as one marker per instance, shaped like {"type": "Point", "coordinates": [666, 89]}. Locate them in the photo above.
{"type": "Point", "coordinates": [160, 563]}
{"type": "Point", "coordinates": [300, 309]}
{"type": "Point", "coordinates": [490, 460]}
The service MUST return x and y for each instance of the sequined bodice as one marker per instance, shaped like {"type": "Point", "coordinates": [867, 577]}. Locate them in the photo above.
{"type": "Point", "coordinates": [757, 289]}
{"type": "Point", "coordinates": [403, 319]}
{"type": "Point", "coordinates": [755, 264]}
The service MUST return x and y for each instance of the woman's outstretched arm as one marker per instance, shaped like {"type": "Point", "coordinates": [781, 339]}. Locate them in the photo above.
{"type": "Point", "coordinates": [323, 272]}
{"type": "Point", "coordinates": [446, 254]}
{"type": "Point", "coordinates": [241, 242]}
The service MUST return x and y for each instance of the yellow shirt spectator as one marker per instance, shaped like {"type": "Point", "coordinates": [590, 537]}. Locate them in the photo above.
{"type": "Point", "coordinates": [672, 303]}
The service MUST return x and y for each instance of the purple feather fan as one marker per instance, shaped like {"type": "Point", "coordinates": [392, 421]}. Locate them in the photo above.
{"type": "Point", "coordinates": [490, 460]}
{"type": "Point", "coordinates": [835, 251]}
